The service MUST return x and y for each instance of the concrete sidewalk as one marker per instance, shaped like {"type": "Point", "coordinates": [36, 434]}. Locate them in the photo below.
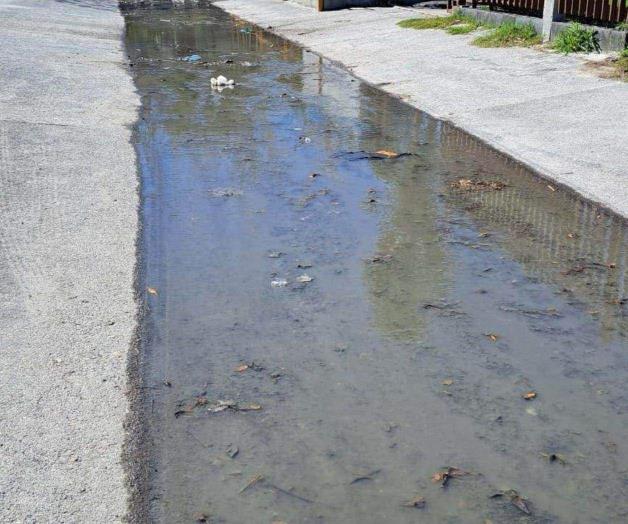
{"type": "Point", "coordinates": [541, 108]}
{"type": "Point", "coordinates": [68, 223]}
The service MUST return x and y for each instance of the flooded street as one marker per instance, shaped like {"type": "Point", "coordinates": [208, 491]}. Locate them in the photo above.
{"type": "Point", "coordinates": [346, 297]}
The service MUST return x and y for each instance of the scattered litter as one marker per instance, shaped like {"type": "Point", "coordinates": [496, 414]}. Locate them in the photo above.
{"type": "Point", "coordinates": [223, 405]}
{"type": "Point", "coordinates": [314, 175]}
{"type": "Point", "coordinates": [191, 58]}
{"type": "Point", "coordinates": [466, 184]}
{"type": "Point", "coordinates": [221, 81]}
{"type": "Point", "coordinates": [246, 30]}
{"type": "Point", "coordinates": [367, 476]}
{"type": "Point", "coordinates": [555, 457]}
{"type": "Point", "coordinates": [232, 451]}
{"type": "Point", "coordinates": [515, 499]}
{"type": "Point", "coordinates": [248, 365]}
{"type": "Point", "coordinates": [416, 502]}
{"type": "Point", "coordinates": [492, 336]}
{"type": "Point", "coordinates": [530, 395]}
{"type": "Point", "coordinates": [446, 475]}
{"type": "Point", "coordinates": [304, 279]}
{"type": "Point", "coordinates": [305, 139]}
{"type": "Point", "coordinates": [531, 411]}
{"type": "Point", "coordinates": [387, 153]}
{"type": "Point", "coordinates": [275, 254]}
{"type": "Point", "coordinates": [365, 155]}
{"type": "Point", "coordinates": [227, 192]}
{"type": "Point", "coordinates": [279, 282]}
{"type": "Point", "coordinates": [447, 382]}
{"type": "Point", "coordinates": [200, 517]}
{"type": "Point", "coordinates": [551, 188]}
{"type": "Point", "coordinates": [304, 265]}
{"type": "Point", "coordinates": [254, 480]}
{"type": "Point", "coordinates": [152, 291]}
{"type": "Point", "coordinates": [189, 407]}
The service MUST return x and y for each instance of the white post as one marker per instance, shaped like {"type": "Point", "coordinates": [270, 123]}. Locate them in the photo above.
{"type": "Point", "coordinates": [550, 13]}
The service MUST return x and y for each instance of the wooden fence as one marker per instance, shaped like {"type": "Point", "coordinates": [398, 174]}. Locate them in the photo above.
{"type": "Point", "coordinates": [597, 12]}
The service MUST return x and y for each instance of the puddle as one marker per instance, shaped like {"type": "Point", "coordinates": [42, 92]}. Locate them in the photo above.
{"type": "Point", "coordinates": [445, 284]}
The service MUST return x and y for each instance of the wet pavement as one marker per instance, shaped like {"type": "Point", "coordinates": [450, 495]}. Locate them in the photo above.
{"type": "Point", "coordinates": [330, 326]}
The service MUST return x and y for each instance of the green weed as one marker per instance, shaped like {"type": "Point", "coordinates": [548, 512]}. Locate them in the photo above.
{"type": "Point", "coordinates": [576, 39]}
{"type": "Point", "coordinates": [509, 34]}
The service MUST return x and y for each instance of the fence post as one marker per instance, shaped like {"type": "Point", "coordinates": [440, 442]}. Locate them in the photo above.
{"type": "Point", "coordinates": [550, 13]}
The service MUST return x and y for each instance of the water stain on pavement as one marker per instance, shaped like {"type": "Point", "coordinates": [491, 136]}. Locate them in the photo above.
{"type": "Point", "coordinates": [350, 303]}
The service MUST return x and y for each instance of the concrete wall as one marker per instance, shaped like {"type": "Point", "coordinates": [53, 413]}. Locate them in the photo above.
{"type": "Point", "coordinates": [609, 39]}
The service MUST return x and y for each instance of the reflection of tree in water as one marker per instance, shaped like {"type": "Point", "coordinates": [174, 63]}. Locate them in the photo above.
{"type": "Point", "coordinates": [416, 272]}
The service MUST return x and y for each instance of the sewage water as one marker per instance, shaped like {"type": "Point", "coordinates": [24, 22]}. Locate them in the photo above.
{"type": "Point", "coordinates": [447, 283]}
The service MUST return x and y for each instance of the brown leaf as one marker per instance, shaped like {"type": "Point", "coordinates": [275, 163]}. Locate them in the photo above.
{"type": "Point", "coordinates": [447, 382]}
{"type": "Point", "coordinates": [492, 336]}
{"type": "Point", "coordinates": [152, 290]}
{"type": "Point", "coordinates": [387, 153]}
{"type": "Point", "coordinates": [530, 395]}
{"type": "Point", "coordinates": [521, 503]}
{"type": "Point", "coordinates": [416, 502]}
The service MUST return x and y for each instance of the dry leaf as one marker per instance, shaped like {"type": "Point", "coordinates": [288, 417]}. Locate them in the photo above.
{"type": "Point", "coordinates": [492, 336]}
{"type": "Point", "coordinates": [241, 368]}
{"type": "Point", "coordinates": [529, 395]}
{"type": "Point", "coordinates": [152, 291]}
{"type": "Point", "coordinates": [447, 382]}
{"type": "Point", "coordinates": [304, 279]}
{"type": "Point", "coordinates": [416, 502]}
{"type": "Point", "coordinates": [520, 503]}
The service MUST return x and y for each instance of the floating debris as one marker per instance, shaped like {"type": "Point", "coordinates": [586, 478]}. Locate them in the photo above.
{"type": "Point", "coordinates": [200, 517]}
{"type": "Point", "coordinates": [254, 480]}
{"type": "Point", "coordinates": [466, 184]}
{"type": "Point", "coordinates": [305, 139]}
{"type": "Point", "coordinates": [226, 192]}
{"type": "Point", "coordinates": [365, 155]}
{"type": "Point", "coordinates": [279, 282]}
{"type": "Point", "coordinates": [555, 457]}
{"type": "Point", "coordinates": [275, 254]}
{"type": "Point", "coordinates": [221, 82]}
{"type": "Point", "coordinates": [232, 451]}
{"type": "Point", "coordinates": [493, 337]}
{"type": "Point", "coordinates": [446, 475]}
{"type": "Point", "coordinates": [530, 395]}
{"type": "Point", "coordinates": [191, 58]}
{"type": "Point", "coordinates": [152, 291]}
{"type": "Point", "coordinates": [515, 499]}
{"type": "Point", "coordinates": [416, 502]}
{"type": "Point", "coordinates": [304, 279]}
{"type": "Point", "coordinates": [447, 382]}
{"type": "Point", "coordinates": [223, 405]}
{"type": "Point", "coordinates": [365, 477]}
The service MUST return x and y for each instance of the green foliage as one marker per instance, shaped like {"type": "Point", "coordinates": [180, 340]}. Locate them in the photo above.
{"type": "Point", "coordinates": [577, 39]}
{"type": "Point", "coordinates": [622, 26]}
{"type": "Point", "coordinates": [509, 34]}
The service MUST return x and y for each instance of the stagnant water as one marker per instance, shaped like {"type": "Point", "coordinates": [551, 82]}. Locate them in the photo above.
{"type": "Point", "coordinates": [435, 304]}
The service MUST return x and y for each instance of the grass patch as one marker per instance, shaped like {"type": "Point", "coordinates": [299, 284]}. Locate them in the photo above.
{"type": "Point", "coordinates": [577, 39]}
{"type": "Point", "coordinates": [509, 34]}
{"type": "Point", "coordinates": [622, 26]}
{"type": "Point", "coordinates": [455, 24]}
{"type": "Point", "coordinates": [621, 64]}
